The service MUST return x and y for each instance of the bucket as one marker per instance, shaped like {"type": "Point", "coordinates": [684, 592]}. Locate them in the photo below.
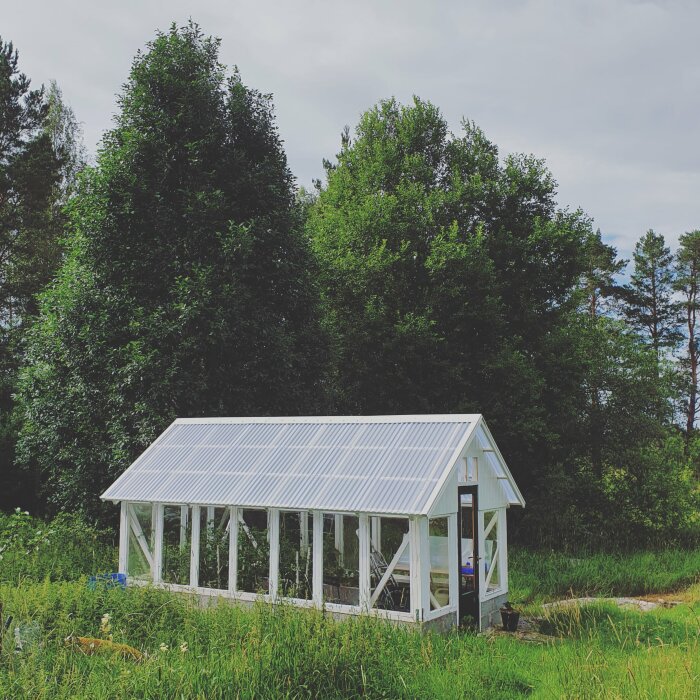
{"type": "Point", "coordinates": [510, 619]}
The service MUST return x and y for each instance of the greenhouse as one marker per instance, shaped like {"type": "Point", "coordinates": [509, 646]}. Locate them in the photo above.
{"type": "Point", "coordinates": [398, 516]}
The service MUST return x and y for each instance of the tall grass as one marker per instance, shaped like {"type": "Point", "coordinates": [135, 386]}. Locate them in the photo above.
{"type": "Point", "coordinates": [62, 550]}
{"type": "Point", "coordinates": [537, 576]}
{"type": "Point", "coordinates": [281, 652]}
{"type": "Point", "coordinates": [275, 652]}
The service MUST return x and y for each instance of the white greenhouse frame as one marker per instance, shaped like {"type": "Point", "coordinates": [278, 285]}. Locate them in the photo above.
{"type": "Point", "coordinates": [469, 461]}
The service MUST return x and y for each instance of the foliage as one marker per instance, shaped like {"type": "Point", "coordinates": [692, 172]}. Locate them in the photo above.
{"type": "Point", "coordinates": [650, 305]}
{"type": "Point", "coordinates": [267, 652]}
{"type": "Point", "coordinates": [687, 284]}
{"type": "Point", "coordinates": [62, 549]}
{"type": "Point", "coordinates": [538, 575]}
{"type": "Point", "coordinates": [187, 287]}
{"type": "Point", "coordinates": [451, 283]}
{"type": "Point", "coordinates": [37, 170]}
{"type": "Point", "coordinates": [427, 274]}
{"type": "Point", "coordinates": [278, 651]}
{"type": "Point", "coordinates": [213, 557]}
{"type": "Point", "coordinates": [253, 560]}
{"type": "Point", "coordinates": [446, 277]}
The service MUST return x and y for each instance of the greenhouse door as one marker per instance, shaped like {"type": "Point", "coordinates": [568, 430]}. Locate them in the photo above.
{"type": "Point", "coordinates": [468, 555]}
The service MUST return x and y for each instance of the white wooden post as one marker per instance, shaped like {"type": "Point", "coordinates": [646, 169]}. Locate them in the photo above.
{"type": "Point", "coordinates": [124, 538]}
{"type": "Point", "coordinates": [317, 559]}
{"type": "Point", "coordinates": [184, 512]}
{"type": "Point", "coordinates": [424, 558]}
{"type": "Point", "coordinates": [157, 570]}
{"type": "Point", "coordinates": [482, 555]}
{"type": "Point", "coordinates": [364, 551]}
{"type": "Point", "coordinates": [377, 533]}
{"type": "Point", "coordinates": [339, 536]}
{"type": "Point", "coordinates": [233, 551]}
{"type": "Point", "coordinates": [420, 567]}
{"type": "Point", "coordinates": [194, 549]}
{"type": "Point", "coordinates": [453, 564]}
{"type": "Point", "coordinates": [503, 547]}
{"type": "Point", "coordinates": [273, 534]}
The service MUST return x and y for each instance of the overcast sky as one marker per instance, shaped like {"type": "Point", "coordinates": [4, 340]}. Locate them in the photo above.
{"type": "Point", "coordinates": [607, 91]}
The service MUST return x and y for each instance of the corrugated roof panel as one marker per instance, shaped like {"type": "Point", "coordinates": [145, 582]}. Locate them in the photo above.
{"type": "Point", "coordinates": [373, 464]}
{"type": "Point", "coordinates": [495, 465]}
{"type": "Point", "coordinates": [511, 496]}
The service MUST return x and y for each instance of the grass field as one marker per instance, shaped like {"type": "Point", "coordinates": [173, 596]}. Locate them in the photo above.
{"type": "Point", "coordinates": [226, 651]}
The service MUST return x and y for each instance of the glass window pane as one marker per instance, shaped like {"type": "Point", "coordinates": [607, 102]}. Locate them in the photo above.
{"type": "Point", "coordinates": [341, 576]}
{"type": "Point", "coordinates": [213, 547]}
{"type": "Point", "coordinates": [141, 534]}
{"type": "Point", "coordinates": [296, 561]}
{"type": "Point", "coordinates": [473, 469]}
{"type": "Point", "coordinates": [439, 563]}
{"type": "Point", "coordinates": [510, 492]}
{"type": "Point", "coordinates": [253, 551]}
{"type": "Point", "coordinates": [177, 526]}
{"type": "Point", "coordinates": [390, 590]}
{"type": "Point", "coordinates": [491, 554]}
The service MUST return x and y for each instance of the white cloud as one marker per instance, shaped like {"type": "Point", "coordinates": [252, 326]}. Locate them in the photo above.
{"type": "Point", "coordinates": [605, 90]}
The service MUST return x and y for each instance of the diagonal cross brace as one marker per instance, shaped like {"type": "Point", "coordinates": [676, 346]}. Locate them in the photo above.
{"type": "Point", "coordinates": [389, 571]}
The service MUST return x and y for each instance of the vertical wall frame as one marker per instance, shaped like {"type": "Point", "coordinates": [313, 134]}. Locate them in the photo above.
{"type": "Point", "coordinates": [365, 588]}
{"type": "Point", "coordinates": [420, 567]}
{"type": "Point", "coordinates": [317, 559]}
{"type": "Point", "coordinates": [194, 549]}
{"type": "Point", "coordinates": [233, 550]}
{"type": "Point", "coordinates": [503, 546]}
{"type": "Point", "coordinates": [273, 533]}
{"type": "Point", "coordinates": [453, 563]}
{"type": "Point", "coordinates": [157, 523]}
{"type": "Point", "coordinates": [124, 538]}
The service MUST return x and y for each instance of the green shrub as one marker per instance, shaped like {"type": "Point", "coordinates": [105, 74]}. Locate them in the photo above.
{"type": "Point", "coordinates": [62, 549]}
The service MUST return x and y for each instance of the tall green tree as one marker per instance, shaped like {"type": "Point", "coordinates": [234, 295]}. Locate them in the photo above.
{"type": "Point", "coordinates": [34, 181]}
{"type": "Point", "coordinates": [687, 283]}
{"type": "Point", "coordinates": [650, 306]}
{"type": "Point", "coordinates": [187, 288]}
{"type": "Point", "coordinates": [599, 284]}
{"type": "Point", "coordinates": [599, 291]}
{"type": "Point", "coordinates": [446, 275]}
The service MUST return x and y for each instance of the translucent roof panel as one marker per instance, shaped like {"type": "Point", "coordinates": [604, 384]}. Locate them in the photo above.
{"type": "Point", "coordinates": [381, 464]}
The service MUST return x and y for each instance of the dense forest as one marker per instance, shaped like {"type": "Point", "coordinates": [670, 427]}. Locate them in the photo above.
{"type": "Point", "coordinates": [185, 274]}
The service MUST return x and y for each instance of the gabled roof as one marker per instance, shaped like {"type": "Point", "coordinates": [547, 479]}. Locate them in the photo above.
{"type": "Point", "coordinates": [370, 464]}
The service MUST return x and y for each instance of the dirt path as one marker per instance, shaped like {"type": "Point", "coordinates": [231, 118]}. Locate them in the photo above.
{"type": "Point", "coordinates": [642, 604]}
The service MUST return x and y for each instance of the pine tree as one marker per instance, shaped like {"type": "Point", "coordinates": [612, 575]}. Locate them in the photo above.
{"type": "Point", "coordinates": [32, 170]}
{"type": "Point", "coordinates": [599, 292]}
{"type": "Point", "coordinates": [687, 283]}
{"type": "Point", "coordinates": [649, 304]}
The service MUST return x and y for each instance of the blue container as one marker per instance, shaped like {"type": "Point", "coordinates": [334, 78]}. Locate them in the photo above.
{"type": "Point", "coordinates": [468, 570]}
{"type": "Point", "coordinates": [107, 580]}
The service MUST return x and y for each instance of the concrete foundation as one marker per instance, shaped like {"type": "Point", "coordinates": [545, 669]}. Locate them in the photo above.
{"type": "Point", "coordinates": [490, 615]}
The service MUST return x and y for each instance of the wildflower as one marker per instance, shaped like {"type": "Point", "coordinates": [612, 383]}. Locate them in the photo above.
{"type": "Point", "coordinates": [105, 626]}
{"type": "Point", "coordinates": [183, 647]}
{"type": "Point", "coordinates": [163, 647]}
